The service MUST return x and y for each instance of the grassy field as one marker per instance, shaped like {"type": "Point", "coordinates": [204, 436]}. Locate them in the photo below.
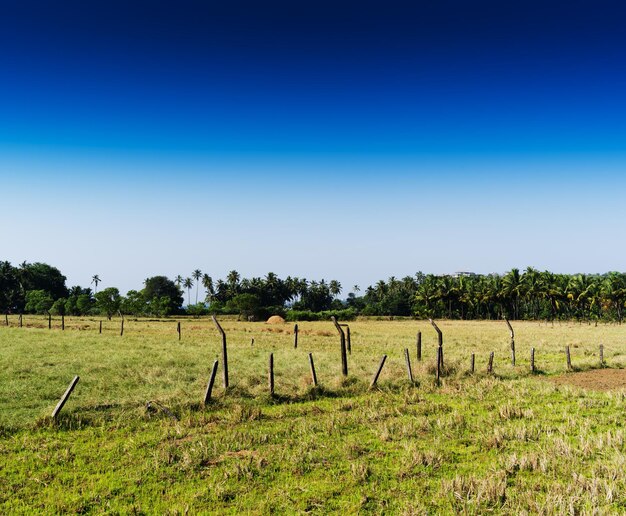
{"type": "Point", "coordinates": [504, 442]}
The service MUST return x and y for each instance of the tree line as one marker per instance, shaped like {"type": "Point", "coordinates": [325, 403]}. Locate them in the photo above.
{"type": "Point", "coordinates": [531, 295]}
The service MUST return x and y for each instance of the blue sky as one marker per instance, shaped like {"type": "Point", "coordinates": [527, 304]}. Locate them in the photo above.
{"type": "Point", "coordinates": [353, 141]}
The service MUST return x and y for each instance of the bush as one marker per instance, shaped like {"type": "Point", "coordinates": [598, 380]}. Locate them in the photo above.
{"type": "Point", "coordinates": [306, 315]}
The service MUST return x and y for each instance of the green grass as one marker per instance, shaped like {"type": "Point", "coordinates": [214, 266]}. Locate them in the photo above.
{"type": "Point", "coordinates": [507, 442]}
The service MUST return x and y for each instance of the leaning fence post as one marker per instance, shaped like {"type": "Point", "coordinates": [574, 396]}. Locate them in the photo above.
{"type": "Point", "coordinates": [532, 360]}
{"type": "Point", "coordinates": [408, 364]}
{"type": "Point", "coordinates": [271, 375]}
{"type": "Point", "coordinates": [440, 342]}
{"type": "Point", "coordinates": [490, 366]}
{"type": "Point", "coordinates": [295, 335]}
{"type": "Point", "coordinates": [342, 336]}
{"type": "Point", "coordinates": [209, 387]}
{"type": "Point", "coordinates": [122, 328]}
{"type": "Point", "coordinates": [224, 351]}
{"type": "Point", "coordinates": [419, 346]}
{"type": "Point", "coordinates": [378, 371]}
{"type": "Point", "coordinates": [64, 398]}
{"type": "Point", "coordinates": [313, 375]}
{"type": "Point", "coordinates": [512, 341]}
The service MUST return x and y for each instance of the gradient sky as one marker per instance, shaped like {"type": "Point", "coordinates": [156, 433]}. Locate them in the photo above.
{"type": "Point", "coordinates": [353, 141]}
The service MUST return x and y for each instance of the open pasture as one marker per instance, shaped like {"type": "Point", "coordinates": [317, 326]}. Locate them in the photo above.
{"type": "Point", "coordinates": [510, 441]}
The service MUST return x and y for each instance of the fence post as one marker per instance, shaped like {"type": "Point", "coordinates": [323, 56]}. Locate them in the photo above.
{"type": "Point", "coordinates": [512, 341]}
{"type": "Point", "coordinates": [295, 336]}
{"type": "Point", "coordinates": [440, 343]}
{"type": "Point", "coordinates": [271, 375]}
{"type": "Point", "coordinates": [472, 363]}
{"type": "Point", "coordinates": [408, 365]}
{"type": "Point", "coordinates": [601, 355]}
{"type": "Point", "coordinates": [313, 375]}
{"type": "Point", "coordinates": [490, 366]}
{"type": "Point", "coordinates": [419, 346]}
{"type": "Point", "coordinates": [569, 358]}
{"type": "Point", "coordinates": [63, 322]}
{"type": "Point", "coordinates": [224, 350]}
{"type": "Point", "coordinates": [178, 330]}
{"type": "Point", "coordinates": [65, 397]}
{"type": "Point", "coordinates": [49, 321]}
{"type": "Point", "coordinates": [342, 336]}
{"type": "Point", "coordinates": [378, 371]}
{"type": "Point", "coordinates": [209, 387]}
{"type": "Point", "coordinates": [532, 360]}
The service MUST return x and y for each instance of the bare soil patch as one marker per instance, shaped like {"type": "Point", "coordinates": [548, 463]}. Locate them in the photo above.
{"type": "Point", "coordinates": [595, 379]}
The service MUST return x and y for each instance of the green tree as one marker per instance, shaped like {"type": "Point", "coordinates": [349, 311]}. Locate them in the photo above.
{"type": "Point", "coordinates": [161, 286]}
{"type": "Point", "coordinates": [38, 301]}
{"type": "Point", "coordinates": [108, 301]}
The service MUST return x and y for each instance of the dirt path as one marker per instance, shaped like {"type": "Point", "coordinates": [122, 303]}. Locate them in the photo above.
{"type": "Point", "coordinates": [596, 379]}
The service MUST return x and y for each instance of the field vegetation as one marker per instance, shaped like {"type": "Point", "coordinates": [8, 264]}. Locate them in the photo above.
{"type": "Point", "coordinates": [505, 442]}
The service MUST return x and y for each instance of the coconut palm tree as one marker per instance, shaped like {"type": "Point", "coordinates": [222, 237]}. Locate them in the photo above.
{"type": "Point", "coordinates": [197, 274]}
{"type": "Point", "coordinates": [188, 283]}
{"type": "Point", "coordinates": [207, 283]}
{"type": "Point", "coordinates": [95, 280]}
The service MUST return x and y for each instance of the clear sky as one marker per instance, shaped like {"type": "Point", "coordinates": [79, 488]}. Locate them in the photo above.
{"type": "Point", "coordinates": [336, 140]}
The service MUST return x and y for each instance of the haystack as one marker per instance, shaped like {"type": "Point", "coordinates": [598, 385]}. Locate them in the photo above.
{"type": "Point", "coordinates": [275, 319]}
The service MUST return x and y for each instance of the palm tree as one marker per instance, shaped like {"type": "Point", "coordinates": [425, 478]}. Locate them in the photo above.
{"type": "Point", "coordinates": [207, 283]}
{"type": "Point", "coordinates": [95, 280]}
{"type": "Point", "coordinates": [335, 288]}
{"type": "Point", "coordinates": [178, 280]}
{"type": "Point", "coordinates": [197, 274]}
{"type": "Point", "coordinates": [188, 283]}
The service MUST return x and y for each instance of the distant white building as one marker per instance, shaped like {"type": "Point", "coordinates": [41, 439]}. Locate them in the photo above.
{"type": "Point", "coordinates": [463, 274]}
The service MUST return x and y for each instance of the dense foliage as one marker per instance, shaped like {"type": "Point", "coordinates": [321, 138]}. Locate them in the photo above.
{"type": "Point", "coordinates": [532, 294]}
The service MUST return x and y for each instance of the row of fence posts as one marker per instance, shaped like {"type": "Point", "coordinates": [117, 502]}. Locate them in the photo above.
{"type": "Point", "coordinates": [345, 347]}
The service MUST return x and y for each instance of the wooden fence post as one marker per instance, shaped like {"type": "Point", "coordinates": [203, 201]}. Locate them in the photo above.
{"type": "Point", "coordinates": [419, 346]}
{"type": "Point", "coordinates": [490, 366]}
{"type": "Point", "coordinates": [438, 373]}
{"type": "Point", "coordinates": [224, 351]}
{"type": "Point", "coordinates": [512, 341]}
{"type": "Point", "coordinates": [378, 371]}
{"type": "Point", "coordinates": [178, 329]}
{"type": "Point", "coordinates": [6, 319]}
{"type": "Point", "coordinates": [440, 343]}
{"type": "Point", "coordinates": [100, 330]}
{"type": "Point", "coordinates": [408, 364]}
{"type": "Point", "coordinates": [122, 328]}
{"type": "Point", "coordinates": [209, 387]}
{"type": "Point", "coordinates": [569, 358]}
{"type": "Point", "coordinates": [601, 355]}
{"type": "Point", "coordinates": [295, 336]}
{"type": "Point", "coordinates": [65, 397]}
{"type": "Point", "coordinates": [472, 363]}
{"type": "Point", "coordinates": [271, 375]}
{"type": "Point", "coordinates": [49, 321]}
{"type": "Point", "coordinates": [342, 336]}
{"type": "Point", "coordinates": [532, 360]}
{"type": "Point", "coordinates": [63, 322]}
{"type": "Point", "coordinates": [20, 320]}
{"type": "Point", "coordinates": [313, 374]}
